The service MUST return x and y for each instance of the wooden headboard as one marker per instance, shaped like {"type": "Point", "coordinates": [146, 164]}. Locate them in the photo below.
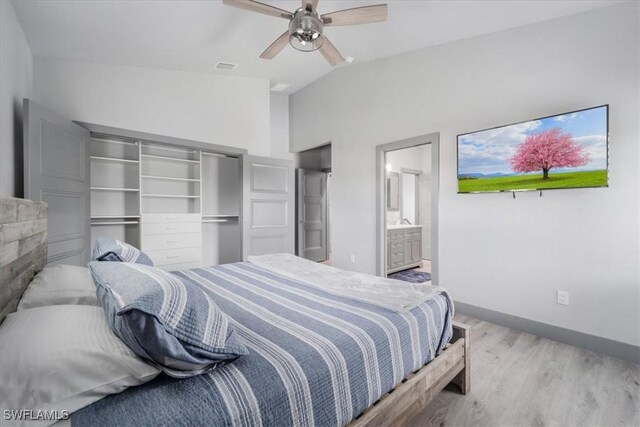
{"type": "Point", "coordinates": [23, 248]}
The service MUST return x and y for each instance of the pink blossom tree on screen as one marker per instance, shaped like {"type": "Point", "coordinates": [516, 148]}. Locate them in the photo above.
{"type": "Point", "coordinates": [546, 150]}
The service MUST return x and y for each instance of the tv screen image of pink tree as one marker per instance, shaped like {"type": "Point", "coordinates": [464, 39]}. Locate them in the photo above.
{"type": "Point", "coordinates": [563, 151]}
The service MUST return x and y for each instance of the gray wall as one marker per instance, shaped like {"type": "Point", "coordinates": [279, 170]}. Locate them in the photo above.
{"type": "Point", "coordinates": [496, 252]}
{"type": "Point", "coordinates": [16, 83]}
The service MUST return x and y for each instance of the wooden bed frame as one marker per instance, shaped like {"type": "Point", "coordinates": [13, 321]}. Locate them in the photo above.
{"type": "Point", "coordinates": [409, 397]}
{"type": "Point", "coordinates": [23, 252]}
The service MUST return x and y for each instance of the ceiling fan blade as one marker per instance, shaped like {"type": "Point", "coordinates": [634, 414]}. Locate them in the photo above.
{"type": "Point", "coordinates": [256, 6]}
{"type": "Point", "coordinates": [310, 5]}
{"type": "Point", "coordinates": [357, 15]}
{"type": "Point", "coordinates": [276, 47]}
{"type": "Point", "coordinates": [330, 53]}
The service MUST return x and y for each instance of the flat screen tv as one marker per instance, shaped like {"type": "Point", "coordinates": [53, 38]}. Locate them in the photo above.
{"type": "Point", "coordinates": [568, 150]}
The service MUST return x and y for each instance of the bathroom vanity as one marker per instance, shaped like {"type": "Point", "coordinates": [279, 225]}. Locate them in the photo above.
{"type": "Point", "coordinates": [404, 247]}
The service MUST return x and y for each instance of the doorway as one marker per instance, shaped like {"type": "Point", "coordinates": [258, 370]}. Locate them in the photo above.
{"type": "Point", "coordinates": [407, 174]}
{"type": "Point", "coordinates": [313, 204]}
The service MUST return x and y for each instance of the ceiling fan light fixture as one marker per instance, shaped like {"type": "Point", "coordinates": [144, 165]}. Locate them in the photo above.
{"type": "Point", "coordinates": [305, 31]}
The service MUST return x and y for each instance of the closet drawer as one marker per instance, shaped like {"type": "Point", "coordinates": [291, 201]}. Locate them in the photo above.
{"type": "Point", "coordinates": [171, 228]}
{"type": "Point", "coordinates": [164, 218]}
{"type": "Point", "coordinates": [174, 256]}
{"type": "Point", "coordinates": [151, 242]}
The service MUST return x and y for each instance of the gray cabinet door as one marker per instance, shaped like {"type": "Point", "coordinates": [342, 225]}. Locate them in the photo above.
{"type": "Point", "coordinates": [312, 215]}
{"type": "Point", "coordinates": [267, 206]}
{"type": "Point", "coordinates": [56, 171]}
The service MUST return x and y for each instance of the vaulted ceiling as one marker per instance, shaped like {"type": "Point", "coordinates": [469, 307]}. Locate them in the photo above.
{"type": "Point", "coordinates": [195, 35]}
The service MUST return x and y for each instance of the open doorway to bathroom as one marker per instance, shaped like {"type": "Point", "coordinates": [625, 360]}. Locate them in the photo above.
{"type": "Point", "coordinates": [407, 209]}
{"type": "Point", "coordinates": [313, 204]}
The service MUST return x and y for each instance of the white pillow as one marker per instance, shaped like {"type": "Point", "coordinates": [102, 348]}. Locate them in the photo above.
{"type": "Point", "coordinates": [60, 284]}
{"type": "Point", "coordinates": [64, 357]}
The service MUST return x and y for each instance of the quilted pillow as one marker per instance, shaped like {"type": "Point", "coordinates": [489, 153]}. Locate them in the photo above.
{"type": "Point", "coordinates": [108, 249]}
{"type": "Point", "coordinates": [165, 319]}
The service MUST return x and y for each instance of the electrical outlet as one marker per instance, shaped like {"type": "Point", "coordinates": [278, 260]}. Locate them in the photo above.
{"type": "Point", "coordinates": [563, 298]}
{"type": "Point", "coordinates": [353, 259]}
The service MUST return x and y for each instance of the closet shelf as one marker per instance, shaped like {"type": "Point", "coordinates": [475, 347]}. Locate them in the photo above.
{"type": "Point", "coordinates": [170, 159]}
{"type": "Point", "coordinates": [114, 189]}
{"type": "Point", "coordinates": [173, 196]}
{"type": "Point", "coordinates": [112, 159]}
{"type": "Point", "coordinates": [169, 178]}
{"type": "Point", "coordinates": [219, 216]}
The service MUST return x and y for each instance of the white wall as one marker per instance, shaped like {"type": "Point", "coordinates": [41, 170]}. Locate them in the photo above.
{"type": "Point", "coordinates": [496, 252]}
{"type": "Point", "coordinates": [16, 83]}
{"type": "Point", "coordinates": [280, 127]}
{"type": "Point", "coordinates": [204, 107]}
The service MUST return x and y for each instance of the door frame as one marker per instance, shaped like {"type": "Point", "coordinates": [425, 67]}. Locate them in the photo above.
{"type": "Point", "coordinates": [381, 213]}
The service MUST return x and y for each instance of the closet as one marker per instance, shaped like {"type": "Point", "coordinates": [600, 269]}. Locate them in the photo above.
{"type": "Point", "coordinates": [181, 205]}
{"type": "Point", "coordinates": [185, 203]}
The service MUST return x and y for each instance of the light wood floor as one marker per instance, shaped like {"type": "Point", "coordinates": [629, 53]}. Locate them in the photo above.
{"type": "Point", "coordinates": [518, 379]}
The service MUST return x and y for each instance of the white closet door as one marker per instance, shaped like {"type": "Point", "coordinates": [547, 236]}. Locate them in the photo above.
{"type": "Point", "coordinates": [268, 206]}
{"type": "Point", "coordinates": [57, 172]}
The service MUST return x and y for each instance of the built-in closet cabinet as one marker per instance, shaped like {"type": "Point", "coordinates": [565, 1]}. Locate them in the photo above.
{"type": "Point", "coordinates": [115, 188]}
{"type": "Point", "coordinates": [181, 205]}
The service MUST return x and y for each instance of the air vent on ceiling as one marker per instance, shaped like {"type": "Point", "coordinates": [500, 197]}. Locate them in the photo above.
{"type": "Point", "coordinates": [225, 66]}
{"type": "Point", "coordinates": [279, 87]}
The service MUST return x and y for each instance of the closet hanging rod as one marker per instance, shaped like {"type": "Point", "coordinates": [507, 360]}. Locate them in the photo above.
{"type": "Point", "coordinates": [114, 189]}
{"type": "Point", "coordinates": [215, 220]}
{"type": "Point", "coordinates": [116, 223]}
{"type": "Point", "coordinates": [114, 216]}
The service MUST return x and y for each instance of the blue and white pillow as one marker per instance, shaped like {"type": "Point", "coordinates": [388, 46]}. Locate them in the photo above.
{"type": "Point", "coordinates": [165, 319]}
{"type": "Point", "coordinates": [108, 249]}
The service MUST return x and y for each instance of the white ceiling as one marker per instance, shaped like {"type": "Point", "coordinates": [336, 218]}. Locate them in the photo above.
{"type": "Point", "coordinates": [195, 35]}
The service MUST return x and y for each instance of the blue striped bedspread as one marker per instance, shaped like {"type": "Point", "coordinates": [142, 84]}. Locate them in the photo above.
{"type": "Point", "coordinates": [315, 358]}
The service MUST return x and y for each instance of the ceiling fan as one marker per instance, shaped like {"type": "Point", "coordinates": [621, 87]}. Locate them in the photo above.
{"type": "Point", "coordinates": [306, 27]}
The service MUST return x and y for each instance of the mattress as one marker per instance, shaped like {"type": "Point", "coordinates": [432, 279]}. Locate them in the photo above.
{"type": "Point", "coordinates": [315, 358]}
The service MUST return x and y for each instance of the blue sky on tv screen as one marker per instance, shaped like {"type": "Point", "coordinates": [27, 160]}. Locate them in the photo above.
{"type": "Point", "coordinates": [488, 152]}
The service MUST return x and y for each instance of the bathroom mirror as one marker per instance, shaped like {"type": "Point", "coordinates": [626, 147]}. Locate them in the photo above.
{"type": "Point", "coordinates": [393, 191]}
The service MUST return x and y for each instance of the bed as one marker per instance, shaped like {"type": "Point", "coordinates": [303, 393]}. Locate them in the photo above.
{"type": "Point", "coordinates": [315, 357]}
